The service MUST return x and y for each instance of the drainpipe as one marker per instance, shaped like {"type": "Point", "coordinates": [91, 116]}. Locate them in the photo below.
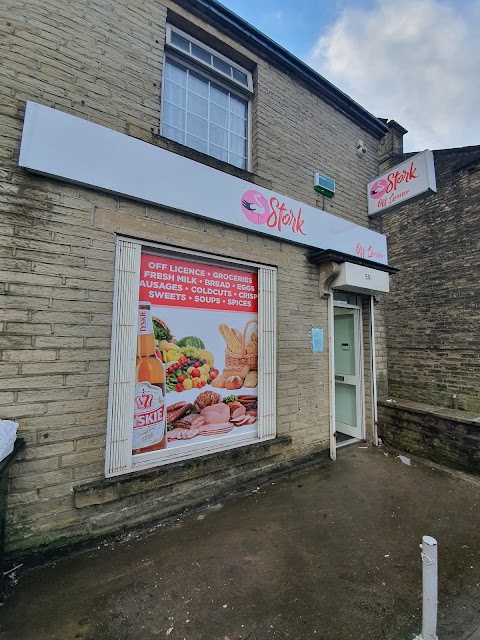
{"type": "Point", "coordinates": [374, 372]}
{"type": "Point", "coordinates": [331, 377]}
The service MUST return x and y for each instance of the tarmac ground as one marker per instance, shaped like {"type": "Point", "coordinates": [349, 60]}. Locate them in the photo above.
{"type": "Point", "coordinates": [331, 553]}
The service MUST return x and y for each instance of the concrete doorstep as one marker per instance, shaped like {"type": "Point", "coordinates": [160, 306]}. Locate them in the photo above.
{"type": "Point", "coordinates": [328, 553]}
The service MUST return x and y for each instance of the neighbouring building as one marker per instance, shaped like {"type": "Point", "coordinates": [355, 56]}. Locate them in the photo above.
{"type": "Point", "coordinates": [432, 313]}
{"type": "Point", "coordinates": [158, 204]}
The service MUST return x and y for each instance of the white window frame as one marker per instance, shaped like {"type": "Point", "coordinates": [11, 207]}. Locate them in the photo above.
{"type": "Point", "coordinates": [216, 72]}
{"type": "Point", "coordinates": [118, 458]}
{"type": "Point", "coordinates": [212, 74]}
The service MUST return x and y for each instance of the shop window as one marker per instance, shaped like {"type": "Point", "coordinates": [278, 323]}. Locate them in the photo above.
{"type": "Point", "coordinates": [206, 100]}
{"type": "Point", "coordinates": [193, 356]}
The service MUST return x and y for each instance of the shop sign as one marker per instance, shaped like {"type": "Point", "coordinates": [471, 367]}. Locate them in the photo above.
{"type": "Point", "coordinates": [66, 147]}
{"type": "Point", "coordinates": [361, 279]}
{"type": "Point", "coordinates": [412, 178]}
{"type": "Point", "coordinates": [198, 323]}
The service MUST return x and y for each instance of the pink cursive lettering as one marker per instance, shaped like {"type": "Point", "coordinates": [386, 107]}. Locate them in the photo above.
{"type": "Point", "coordinates": [279, 217]}
{"type": "Point", "coordinates": [394, 179]}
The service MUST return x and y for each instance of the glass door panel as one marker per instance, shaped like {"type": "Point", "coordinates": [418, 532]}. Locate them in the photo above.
{"type": "Point", "coordinates": [347, 371]}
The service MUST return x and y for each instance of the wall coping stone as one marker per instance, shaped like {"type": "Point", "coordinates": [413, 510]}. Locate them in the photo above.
{"type": "Point", "coordinates": [456, 415]}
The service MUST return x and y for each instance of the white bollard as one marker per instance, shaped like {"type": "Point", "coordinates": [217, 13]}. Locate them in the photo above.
{"type": "Point", "coordinates": [430, 588]}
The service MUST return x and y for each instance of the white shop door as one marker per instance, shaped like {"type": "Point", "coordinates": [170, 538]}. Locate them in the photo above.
{"type": "Point", "coordinates": [348, 372]}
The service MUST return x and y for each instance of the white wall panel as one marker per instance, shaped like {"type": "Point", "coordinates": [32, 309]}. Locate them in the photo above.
{"type": "Point", "coordinates": [122, 363]}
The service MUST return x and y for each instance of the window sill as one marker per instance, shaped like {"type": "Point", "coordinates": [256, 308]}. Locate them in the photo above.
{"type": "Point", "coordinates": [210, 161]}
{"type": "Point", "coordinates": [113, 489]}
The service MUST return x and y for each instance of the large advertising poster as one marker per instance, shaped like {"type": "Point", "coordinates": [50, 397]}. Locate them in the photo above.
{"type": "Point", "coordinates": [199, 322]}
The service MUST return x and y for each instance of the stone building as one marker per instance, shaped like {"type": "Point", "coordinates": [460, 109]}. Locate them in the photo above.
{"type": "Point", "coordinates": [432, 312]}
{"type": "Point", "coordinates": [159, 157]}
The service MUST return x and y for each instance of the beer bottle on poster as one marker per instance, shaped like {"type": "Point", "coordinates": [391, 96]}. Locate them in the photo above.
{"type": "Point", "coordinates": [149, 424]}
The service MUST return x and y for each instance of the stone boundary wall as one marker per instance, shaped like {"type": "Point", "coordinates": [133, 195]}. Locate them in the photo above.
{"type": "Point", "coordinates": [445, 436]}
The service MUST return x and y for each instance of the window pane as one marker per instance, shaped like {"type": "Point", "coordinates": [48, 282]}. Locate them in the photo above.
{"type": "Point", "coordinates": [219, 136]}
{"type": "Point", "coordinates": [180, 42]}
{"type": "Point", "coordinates": [175, 94]}
{"type": "Point", "coordinates": [237, 145]}
{"type": "Point", "coordinates": [219, 96]}
{"type": "Point", "coordinates": [201, 54]}
{"type": "Point", "coordinates": [197, 126]}
{"type": "Point", "coordinates": [197, 105]}
{"type": "Point", "coordinates": [239, 76]}
{"type": "Point", "coordinates": [196, 143]}
{"type": "Point", "coordinates": [173, 115]}
{"type": "Point", "coordinates": [198, 85]}
{"type": "Point", "coordinates": [238, 161]}
{"type": "Point", "coordinates": [238, 126]}
{"type": "Point", "coordinates": [238, 107]}
{"type": "Point", "coordinates": [176, 74]}
{"type": "Point", "coordinates": [204, 116]}
{"type": "Point", "coordinates": [173, 134]}
{"type": "Point", "coordinates": [222, 66]}
{"type": "Point", "coordinates": [218, 115]}
{"type": "Point", "coordinates": [218, 152]}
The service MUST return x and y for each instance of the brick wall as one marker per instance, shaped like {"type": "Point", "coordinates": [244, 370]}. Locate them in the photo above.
{"type": "Point", "coordinates": [447, 436]}
{"type": "Point", "coordinates": [103, 61]}
{"type": "Point", "coordinates": [432, 313]}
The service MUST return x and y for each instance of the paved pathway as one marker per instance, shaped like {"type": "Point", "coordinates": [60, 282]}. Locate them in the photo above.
{"type": "Point", "coordinates": [331, 554]}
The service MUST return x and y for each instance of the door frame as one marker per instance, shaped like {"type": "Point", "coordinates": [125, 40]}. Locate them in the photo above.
{"type": "Point", "coordinates": [358, 337]}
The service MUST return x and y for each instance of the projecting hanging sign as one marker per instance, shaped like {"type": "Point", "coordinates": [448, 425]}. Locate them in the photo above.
{"type": "Point", "coordinates": [408, 180]}
{"type": "Point", "coordinates": [69, 148]}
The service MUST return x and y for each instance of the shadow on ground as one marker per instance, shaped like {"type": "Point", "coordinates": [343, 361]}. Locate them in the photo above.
{"type": "Point", "coordinates": [332, 553]}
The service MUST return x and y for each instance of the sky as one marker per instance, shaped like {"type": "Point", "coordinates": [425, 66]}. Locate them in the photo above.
{"type": "Point", "coordinates": [413, 61]}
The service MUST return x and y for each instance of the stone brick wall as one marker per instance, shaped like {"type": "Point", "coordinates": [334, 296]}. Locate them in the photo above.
{"type": "Point", "coordinates": [102, 61]}
{"type": "Point", "coordinates": [446, 436]}
{"type": "Point", "coordinates": [380, 360]}
{"type": "Point", "coordinates": [433, 312]}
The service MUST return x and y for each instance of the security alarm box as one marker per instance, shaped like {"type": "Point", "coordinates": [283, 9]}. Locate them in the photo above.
{"type": "Point", "coordinates": [324, 185]}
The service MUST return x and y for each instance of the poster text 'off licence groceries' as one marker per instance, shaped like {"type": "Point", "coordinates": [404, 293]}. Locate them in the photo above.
{"type": "Point", "coordinates": [180, 283]}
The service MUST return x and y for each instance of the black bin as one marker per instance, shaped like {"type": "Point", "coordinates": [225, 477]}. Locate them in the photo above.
{"type": "Point", "coordinates": [5, 465]}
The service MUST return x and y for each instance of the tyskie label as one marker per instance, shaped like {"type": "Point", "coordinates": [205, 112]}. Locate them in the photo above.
{"type": "Point", "coordinates": [149, 420]}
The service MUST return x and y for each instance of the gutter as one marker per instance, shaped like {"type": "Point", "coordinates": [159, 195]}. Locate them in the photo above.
{"type": "Point", "coordinates": [217, 13]}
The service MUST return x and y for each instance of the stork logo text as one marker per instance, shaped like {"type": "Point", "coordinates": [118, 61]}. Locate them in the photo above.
{"type": "Point", "coordinates": [274, 213]}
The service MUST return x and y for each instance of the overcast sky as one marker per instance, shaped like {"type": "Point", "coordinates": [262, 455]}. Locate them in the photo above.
{"type": "Point", "coordinates": [413, 61]}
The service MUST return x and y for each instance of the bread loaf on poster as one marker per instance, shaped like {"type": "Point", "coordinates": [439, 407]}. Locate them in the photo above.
{"type": "Point", "coordinates": [233, 382]}
{"type": "Point", "coordinates": [219, 382]}
{"type": "Point", "coordinates": [233, 343]}
{"type": "Point", "coordinates": [251, 380]}
{"type": "Point", "coordinates": [241, 372]}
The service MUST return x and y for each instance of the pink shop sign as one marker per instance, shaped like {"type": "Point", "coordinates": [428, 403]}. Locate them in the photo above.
{"type": "Point", "coordinates": [410, 179]}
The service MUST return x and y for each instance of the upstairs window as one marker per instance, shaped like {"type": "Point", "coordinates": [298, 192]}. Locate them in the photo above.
{"type": "Point", "coordinates": [206, 100]}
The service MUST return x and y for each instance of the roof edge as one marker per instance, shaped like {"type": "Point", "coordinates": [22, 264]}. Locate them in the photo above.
{"type": "Point", "coordinates": [329, 92]}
